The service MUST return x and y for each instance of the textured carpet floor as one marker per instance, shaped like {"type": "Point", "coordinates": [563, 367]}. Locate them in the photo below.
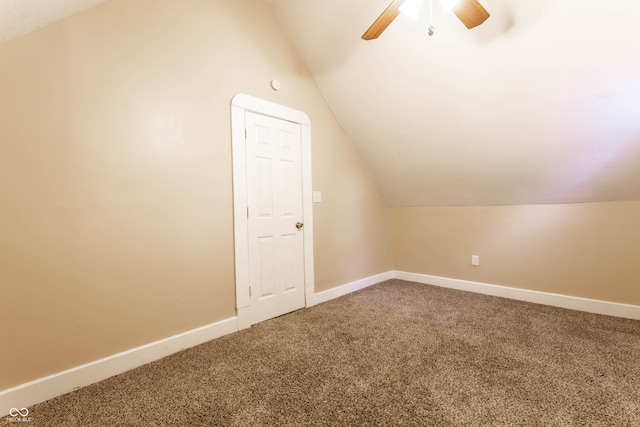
{"type": "Point", "coordinates": [397, 353]}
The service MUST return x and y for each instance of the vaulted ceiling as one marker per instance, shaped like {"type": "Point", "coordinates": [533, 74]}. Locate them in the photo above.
{"type": "Point", "coordinates": [20, 16]}
{"type": "Point", "coordinates": [540, 104]}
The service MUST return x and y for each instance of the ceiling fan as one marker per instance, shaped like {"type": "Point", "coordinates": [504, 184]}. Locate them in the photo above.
{"type": "Point", "coordinates": [470, 12]}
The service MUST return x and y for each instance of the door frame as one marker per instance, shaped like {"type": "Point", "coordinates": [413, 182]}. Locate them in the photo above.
{"type": "Point", "coordinates": [240, 104]}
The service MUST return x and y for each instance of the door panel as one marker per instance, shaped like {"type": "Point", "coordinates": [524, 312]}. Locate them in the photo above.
{"type": "Point", "coordinates": [266, 281]}
{"type": "Point", "coordinates": [274, 195]}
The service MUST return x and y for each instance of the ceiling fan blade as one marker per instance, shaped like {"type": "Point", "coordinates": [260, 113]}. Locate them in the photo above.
{"type": "Point", "coordinates": [471, 13]}
{"type": "Point", "coordinates": [383, 21]}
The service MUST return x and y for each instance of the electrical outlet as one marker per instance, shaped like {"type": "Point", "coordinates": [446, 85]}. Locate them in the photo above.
{"type": "Point", "coordinates": [475, 260]}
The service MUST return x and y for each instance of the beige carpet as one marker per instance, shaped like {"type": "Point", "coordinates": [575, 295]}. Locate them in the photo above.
{"type": "Point", "coordinates": [398, 353]}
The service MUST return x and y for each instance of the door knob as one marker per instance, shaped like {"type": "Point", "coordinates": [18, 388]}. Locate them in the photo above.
{"type": "Point", "coordinates": [299, 225]}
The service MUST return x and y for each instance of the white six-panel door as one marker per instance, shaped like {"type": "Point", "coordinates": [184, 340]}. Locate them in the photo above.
{"type": "Point", "coordinates": [275, 216]}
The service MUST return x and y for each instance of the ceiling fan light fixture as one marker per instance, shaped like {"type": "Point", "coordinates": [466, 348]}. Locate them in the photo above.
{"type": "Point", "coordinates": [448, 5]}
{"type": "Point", "coordinates": [411, 8]}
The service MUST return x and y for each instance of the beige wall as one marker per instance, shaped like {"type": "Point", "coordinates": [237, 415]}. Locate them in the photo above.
{"type": "Point", "coordinates": [115, 177]}
{"type": "Point", "coordinates": [585, 250]}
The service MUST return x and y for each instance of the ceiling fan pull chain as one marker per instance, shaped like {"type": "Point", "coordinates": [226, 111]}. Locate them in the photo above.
{"type": "Point", "coordinates": [431, 30]}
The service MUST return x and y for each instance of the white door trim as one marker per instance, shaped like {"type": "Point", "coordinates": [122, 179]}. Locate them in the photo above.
{"type": "Point", "coordinates": [240, 104]}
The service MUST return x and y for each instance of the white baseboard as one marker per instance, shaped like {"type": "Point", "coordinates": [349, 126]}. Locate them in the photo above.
{"type": "Point", "coordinates": [72, 379]}
{"type": "Point", "coordinates": [49, 387]}
{"type": "Point", "coordinates": [339, 291]}
{"type": "Point", "coordinates": [555, 300]}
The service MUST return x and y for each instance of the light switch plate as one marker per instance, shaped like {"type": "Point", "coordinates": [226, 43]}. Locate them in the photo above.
{"type": "Point", "coordinates": [317, 197]}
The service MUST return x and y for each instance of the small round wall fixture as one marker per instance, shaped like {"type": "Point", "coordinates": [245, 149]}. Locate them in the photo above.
{"type": "Point", "coordinates": [275, 84]}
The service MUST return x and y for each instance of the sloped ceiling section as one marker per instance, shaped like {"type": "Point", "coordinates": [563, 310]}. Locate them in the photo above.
{"type": "Point", "coordinates": [540, 104]}
{"type": "Point", "coordinates": [21, 16]}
